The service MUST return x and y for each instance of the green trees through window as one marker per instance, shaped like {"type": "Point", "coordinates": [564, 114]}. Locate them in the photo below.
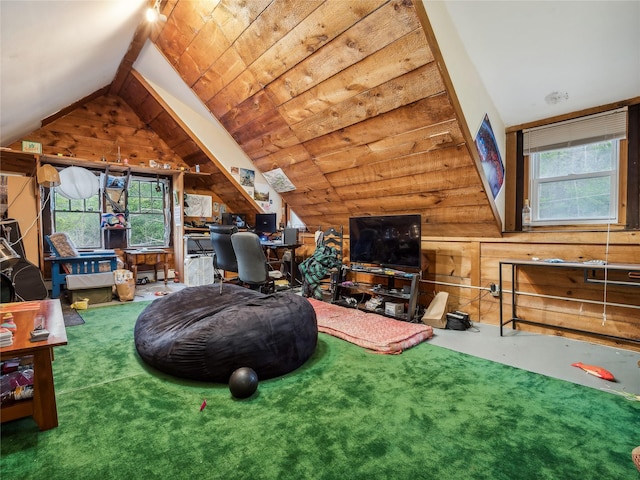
{"type": "Point", "coordinates": [146, 202]}
{"type": "Point", "coordinates": [148, 219]}
{"type": "Point", "coordinates": [576, 183]}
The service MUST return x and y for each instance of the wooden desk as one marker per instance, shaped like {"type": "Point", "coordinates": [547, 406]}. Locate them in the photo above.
{"type": "Point", "coordinates": [42, 407]}
{"type": "Point", "coordinates": [274, 247]}
{"type": "Point", "coordinates": [151, 257]}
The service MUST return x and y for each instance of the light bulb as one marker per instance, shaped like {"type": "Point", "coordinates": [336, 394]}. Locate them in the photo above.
{"type": "Point", "coordinates": [152, 14]}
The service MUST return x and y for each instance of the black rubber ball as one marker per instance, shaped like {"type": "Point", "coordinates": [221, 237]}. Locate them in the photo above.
{"type": "Point", "coordinates": [243, 382]}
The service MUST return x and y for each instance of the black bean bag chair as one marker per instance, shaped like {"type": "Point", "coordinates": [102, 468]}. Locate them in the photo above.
{"type": "Point", "coordinates": [201, 334]}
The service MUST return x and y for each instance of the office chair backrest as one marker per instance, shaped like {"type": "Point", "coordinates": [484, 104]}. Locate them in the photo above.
{"type": "Point", "coordinates": [225, 257]}
{"type": "Point", "coordinates": [252, 262]}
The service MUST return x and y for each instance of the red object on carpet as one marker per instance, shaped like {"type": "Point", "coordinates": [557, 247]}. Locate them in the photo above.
{"type": "Point", "coordinates": [369, 330]}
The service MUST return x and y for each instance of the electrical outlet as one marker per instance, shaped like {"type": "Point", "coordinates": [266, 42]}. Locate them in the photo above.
{"type": "Point", "coordinates": [494, 289]}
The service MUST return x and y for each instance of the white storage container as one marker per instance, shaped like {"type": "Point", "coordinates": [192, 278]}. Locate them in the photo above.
{"type": "Point", "coordinates": [395, 309]}
{"type": "Point", "coordinates": [198, 270]}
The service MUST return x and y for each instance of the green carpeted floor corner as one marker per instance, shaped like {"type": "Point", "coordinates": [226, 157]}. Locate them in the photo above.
{"type": "Point", "coordinates": [428, 413]}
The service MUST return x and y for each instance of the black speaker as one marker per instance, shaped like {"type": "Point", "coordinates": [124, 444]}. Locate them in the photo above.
{"type": "Point", "coordinates": [290, 236]}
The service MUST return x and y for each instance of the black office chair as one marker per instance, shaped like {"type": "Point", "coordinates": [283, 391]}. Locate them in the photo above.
{"type": "Point", "coordinates": [224, 257]}
{"type": "Point", "coordinates": [253, 268]}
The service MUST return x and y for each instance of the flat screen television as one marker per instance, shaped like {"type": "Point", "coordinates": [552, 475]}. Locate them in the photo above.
{"type": "Point", "coordinates": [237, 219]}
{"type": "Point", "coordinates": [388, 240]}
{"type": "Point", "coordinates": [265, 223]}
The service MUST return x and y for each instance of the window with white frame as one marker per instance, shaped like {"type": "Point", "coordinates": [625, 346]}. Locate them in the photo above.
{"type": "Point", "coordinates": [574, 169]}
{"type": "Point", "coordinates": [149, 218]}
{"type": "Point", "coordinates": [80, 219]}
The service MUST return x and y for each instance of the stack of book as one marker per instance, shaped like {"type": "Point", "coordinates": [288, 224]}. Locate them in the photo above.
{"type": "Point", "coordinates": [6, 337]}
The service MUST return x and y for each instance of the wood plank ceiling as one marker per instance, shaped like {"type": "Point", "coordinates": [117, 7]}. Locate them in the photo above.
{"type": "Point", "coordinates": [347, 98]}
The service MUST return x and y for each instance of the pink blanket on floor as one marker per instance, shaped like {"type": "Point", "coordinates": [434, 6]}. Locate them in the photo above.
{"type": "Point", "coordinates": [369, 330]}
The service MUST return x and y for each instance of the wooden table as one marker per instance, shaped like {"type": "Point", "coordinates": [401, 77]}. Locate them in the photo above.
{"type": "Point", "coordinates": [42, 407]}
{"type": "Point", "coordinates": [589, 271]}
{"type": "Point", "coordinates": [151, 257]}
{"type": "Point", "coordinates": [274, 247]}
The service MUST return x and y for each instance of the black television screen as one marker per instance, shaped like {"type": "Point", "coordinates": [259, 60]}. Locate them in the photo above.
{"type": "Point", "coordinates": [237, 219]}
{"type": "Point", "coordinates": [266, 223]}
{"type": "Point", "coordinates": [388, 240]}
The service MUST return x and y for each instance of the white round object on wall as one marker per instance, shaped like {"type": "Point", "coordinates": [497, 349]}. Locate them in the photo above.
{"type": "Point", "coordinates": [77, 183]}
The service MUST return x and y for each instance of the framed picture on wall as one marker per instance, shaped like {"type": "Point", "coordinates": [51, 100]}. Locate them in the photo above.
{"type": "Point", "coordinates": [31, 147]}
{"type": "Point", "coordinates": [490, 156]}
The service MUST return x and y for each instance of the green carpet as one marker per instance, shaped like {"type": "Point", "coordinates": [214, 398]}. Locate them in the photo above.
{"type": "Point", "coordinates": [428, 413]}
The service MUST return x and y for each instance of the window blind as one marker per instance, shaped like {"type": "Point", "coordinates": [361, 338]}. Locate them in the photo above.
{"type": "Point", "coordinates": [600, 127]}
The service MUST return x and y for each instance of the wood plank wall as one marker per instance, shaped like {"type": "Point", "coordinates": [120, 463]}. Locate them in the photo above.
{"type": "Point", "coordinates": [465, 268]}
{"type": "Point", "coordinates": [97, 129]}
{"type": "Point", "coordinates": [475, 263]}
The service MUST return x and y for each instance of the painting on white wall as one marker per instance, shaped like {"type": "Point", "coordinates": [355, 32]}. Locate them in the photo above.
{"type": "Point", "coordinates": [490, 156]}
{"type": "Point", "coordinates": [197, 205]}
{"type": "Point", "coordinates": [245, 177]}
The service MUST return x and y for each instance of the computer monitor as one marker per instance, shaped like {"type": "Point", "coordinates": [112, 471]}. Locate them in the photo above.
{"type": "Point", "coordinates": [237, 219]}
{"type": "Point", "coordinates": [266, 223]}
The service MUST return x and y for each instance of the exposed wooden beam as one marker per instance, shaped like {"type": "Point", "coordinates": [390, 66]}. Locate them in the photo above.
{"type": "Point", "coordinates": [139, 38]}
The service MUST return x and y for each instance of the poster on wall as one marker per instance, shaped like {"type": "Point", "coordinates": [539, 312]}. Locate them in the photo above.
{"type": "Point", "coordinates": [279, 181]}
{"type": "Point", "coordinates": [197, 205]}
{"type": "Point", "coordinates": [245, 177]}
{"type": "Point", "coordinates": [490, 156]}
{"type": "Point", "coordinates": [261, 192]}
{"type": "Point", "coordinates": [261, 195]}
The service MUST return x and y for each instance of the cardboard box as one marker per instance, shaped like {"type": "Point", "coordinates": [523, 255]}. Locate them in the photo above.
{"type": "Point", "coordinates": [95, 295]}
{"type": "Point", "coordinates": [395, 309]}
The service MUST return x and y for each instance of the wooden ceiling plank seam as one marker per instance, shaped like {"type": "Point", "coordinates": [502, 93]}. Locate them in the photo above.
{"type": "Point", "coordinates": [385, 125]}
{"type": "Point", "coordinates": [344, 52]}
{"type": "Point", "coordinates": [233, 17]}
{"type": "Point", "coordinates": [403, 55]}
{"type": "Point", "coordinates": [266, 143]}
{"type": "Point", "coordinates": [362, 155]}
{"type": "Point", "coordinates": [316, 30]}
{"type": "Point", "coordinates": [243, 86]}
{"type": "Point", "coordinates": [225, 69]}
{"type": "Point", "coordinates": [210, 38]}
{"type": "Point", "coordinates": [284, 158]}
{"type": "Point", "coordinates": [462, 196]}
{"type": "Point", "coordinates": [392, 95]}
{"type": "Point", "coordinates": [205, 49]}
{"type": "Point", "coordinates": [228, 65]}
{"type": "Point", "coordinates": [252, 109]}
{"type": "Point", "coordinates": [399, 168]}
{"type": "Point", "coordinates": [275, 21]}
{"type": "Point", "coordinates": [423, 182]}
